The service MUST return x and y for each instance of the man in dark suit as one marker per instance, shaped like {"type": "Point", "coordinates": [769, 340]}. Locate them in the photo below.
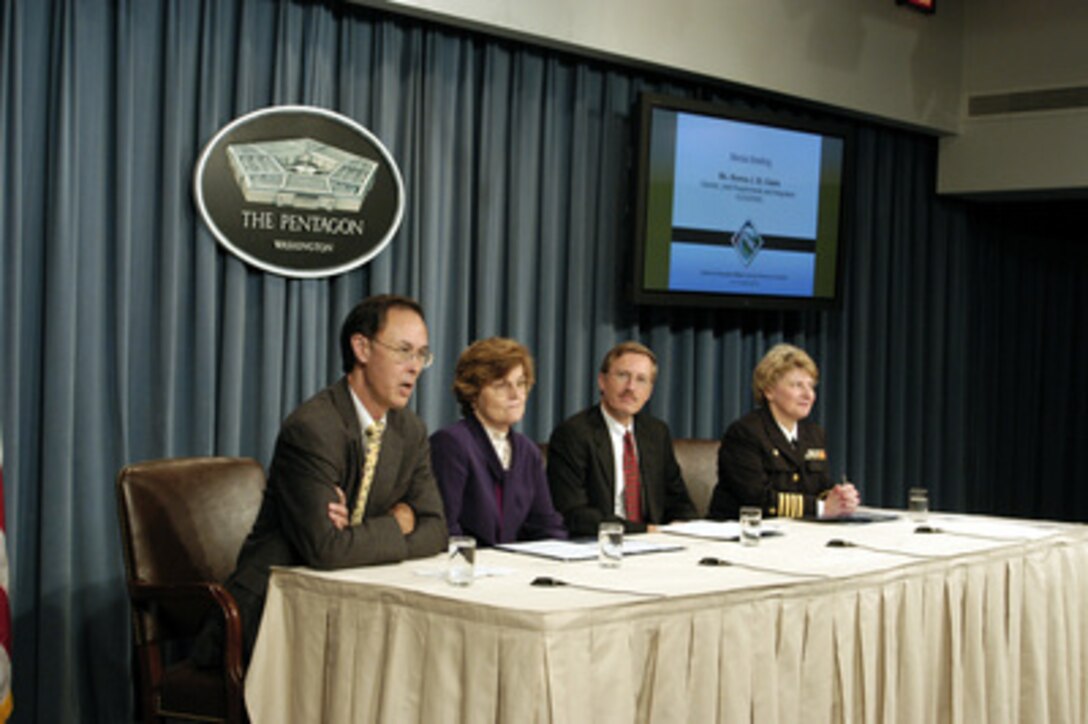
{"type": "Point", "coordinates": [329, 504]}
{"type": "Point", "coordinates": [613, 461]}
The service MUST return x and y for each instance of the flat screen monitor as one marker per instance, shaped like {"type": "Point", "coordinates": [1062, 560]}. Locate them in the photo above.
{"type": "Point", "coordinates": [738, 208]}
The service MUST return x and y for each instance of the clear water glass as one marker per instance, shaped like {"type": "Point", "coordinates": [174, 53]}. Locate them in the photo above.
{"type": "Point", "coordinates": [610, 544]}
{"type": "Point", "coordinates": [751, 525]}
{"type": "Point", "coordinates": [461, 570]}
{"type": "Point", "coordinates": [918, 504]}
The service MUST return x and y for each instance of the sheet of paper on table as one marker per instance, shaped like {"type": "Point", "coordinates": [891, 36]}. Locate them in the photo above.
{"type": "Point", "coordinates": [716, 529]}
{"type": "Point", "coordinates": [984, 528]}
{"type": "Point", "coordinates": [574, 550]}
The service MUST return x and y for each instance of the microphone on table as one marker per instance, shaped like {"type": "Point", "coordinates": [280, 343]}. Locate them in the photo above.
{"type": "Point", "coordinates": [712, 561]}
{"type": "Point", "coordinates": [840, 543]}
{"type": "Point", "coordinates": [964, 534]}
{"type": "Point", "coordinates": [549, 582]}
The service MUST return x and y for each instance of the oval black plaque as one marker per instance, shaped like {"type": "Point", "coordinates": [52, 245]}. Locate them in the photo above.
{"type": "Point", "coordinates": [299, 191]}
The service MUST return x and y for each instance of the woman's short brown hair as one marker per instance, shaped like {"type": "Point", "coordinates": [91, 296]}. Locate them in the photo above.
{"type": "Point", "coordinates": [485, 361]}
{"type": "Point", "coordinates": [779, 360]}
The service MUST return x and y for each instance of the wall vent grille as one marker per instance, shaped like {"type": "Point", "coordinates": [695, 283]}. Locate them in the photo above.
{"type": "Point", "coordinates": [1053, 99]}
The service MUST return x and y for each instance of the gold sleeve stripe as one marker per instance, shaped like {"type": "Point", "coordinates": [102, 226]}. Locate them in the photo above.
{"type": "Point", "coordinates": [791, 505]}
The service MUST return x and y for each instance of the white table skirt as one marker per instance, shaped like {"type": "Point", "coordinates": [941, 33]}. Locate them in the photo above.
{"type": "Point", "coordinates": [952, 629]}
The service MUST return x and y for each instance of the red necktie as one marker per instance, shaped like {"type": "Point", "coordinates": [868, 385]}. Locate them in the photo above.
{"type": "Point", "coordinates": [632, 484]}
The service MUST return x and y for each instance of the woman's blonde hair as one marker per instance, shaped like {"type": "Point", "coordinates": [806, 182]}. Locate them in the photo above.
{"type": "Point", "coordinates": [779, 360]}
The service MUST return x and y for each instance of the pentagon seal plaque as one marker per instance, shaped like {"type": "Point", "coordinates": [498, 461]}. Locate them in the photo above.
{"type": "Point", "coordinates": [299, 191]}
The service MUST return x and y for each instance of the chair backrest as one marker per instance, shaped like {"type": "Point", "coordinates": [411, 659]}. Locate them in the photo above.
{"type": "Point", "coordinates": [185, 519]}
{"type": "Point", "coordinates": [698, 460]}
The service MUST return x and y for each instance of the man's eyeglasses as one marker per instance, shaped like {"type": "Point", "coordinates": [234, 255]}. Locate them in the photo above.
{"type": "Point", "coordinates": [405, 353]}
{"type": "Point", "coordinates": [625, 377]}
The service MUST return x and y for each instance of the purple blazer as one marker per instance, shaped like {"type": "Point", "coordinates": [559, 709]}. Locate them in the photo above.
{"type": "Point", "coordinates": [468, 469]}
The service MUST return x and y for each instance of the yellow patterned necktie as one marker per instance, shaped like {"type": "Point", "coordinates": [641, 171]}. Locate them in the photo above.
{"type": "Point", "coordinates": [373, 448]}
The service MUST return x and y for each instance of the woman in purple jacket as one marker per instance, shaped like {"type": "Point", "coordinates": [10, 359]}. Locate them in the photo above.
{"type": "Point", "coordinates": [491, 478]}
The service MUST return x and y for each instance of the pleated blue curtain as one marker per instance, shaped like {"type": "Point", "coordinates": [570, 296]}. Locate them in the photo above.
{"type": "Point", "coordinates": [1028, 360]}
{"type": "Point", "coordinates": [128, 333]}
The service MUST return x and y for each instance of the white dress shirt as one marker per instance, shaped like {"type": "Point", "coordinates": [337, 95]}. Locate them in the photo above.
{"type": "Point", "coordinates": [616, 431]}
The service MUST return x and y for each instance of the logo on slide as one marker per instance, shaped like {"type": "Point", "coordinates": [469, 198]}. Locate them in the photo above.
{"type": "Point", "coordinates": [747, 242]}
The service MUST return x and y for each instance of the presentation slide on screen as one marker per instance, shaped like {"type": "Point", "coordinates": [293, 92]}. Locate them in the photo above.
{"type": "Point", "coordinates": [704, 268]}
{"type": "Point", "coordinates": [745, 208]}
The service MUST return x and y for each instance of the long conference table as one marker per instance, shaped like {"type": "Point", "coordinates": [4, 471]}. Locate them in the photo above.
{"type": "Point", "coordinates": [983, 621]}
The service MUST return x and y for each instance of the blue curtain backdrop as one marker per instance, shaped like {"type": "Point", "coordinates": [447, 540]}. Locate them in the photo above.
{"type": "Point", "coordinates": [956, 360]}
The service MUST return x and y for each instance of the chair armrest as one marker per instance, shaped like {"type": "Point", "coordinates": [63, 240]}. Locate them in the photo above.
{"type": "Point", "coordinates": [179, 595]}
{"type": "Point", "coordinates": [141, 591]}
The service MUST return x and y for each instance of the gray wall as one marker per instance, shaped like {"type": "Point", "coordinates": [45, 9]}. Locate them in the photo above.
{"type": "Point", "coordinates": [874, 57]}
{"type": "Point", "coordinates": [1013, 48]}
{"type": "Point", "coordinates": [869, 56]}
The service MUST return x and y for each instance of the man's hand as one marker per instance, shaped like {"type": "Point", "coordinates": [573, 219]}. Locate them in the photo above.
{"type": "Point", "coordinates": [405, 517]}
{"type": "Point", "coordinates": [338, 510]}
{"type": "Point", "coordinates": [842, 499]}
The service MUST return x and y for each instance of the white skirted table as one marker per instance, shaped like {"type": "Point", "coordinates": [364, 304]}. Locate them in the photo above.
{"type": "Point", "coordinates": [984, 621]}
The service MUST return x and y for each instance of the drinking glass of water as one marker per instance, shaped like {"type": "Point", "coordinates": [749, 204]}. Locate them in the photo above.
{"type": "Point", "coordinates": [918, 504]}
{"type": "Point", "coordinates": [751, 525]}
{"type": "Point", "coordinates": [462, 560]}
{"type": "Point", "coordinates": [610, 544]}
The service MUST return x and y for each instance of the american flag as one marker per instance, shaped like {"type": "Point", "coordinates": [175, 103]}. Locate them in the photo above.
{"type": "Point", "coordinates": [6, 702]}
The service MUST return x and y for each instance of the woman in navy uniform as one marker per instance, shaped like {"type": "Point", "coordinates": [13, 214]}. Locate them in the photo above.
{"type": "Point", "coordinates": [774, 457]}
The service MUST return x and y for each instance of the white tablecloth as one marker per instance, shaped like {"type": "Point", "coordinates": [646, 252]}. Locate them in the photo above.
{"type": "Point", "coordinates": [988, 624]}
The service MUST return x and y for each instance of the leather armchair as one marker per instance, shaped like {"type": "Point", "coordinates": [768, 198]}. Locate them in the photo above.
{"type": "Point", "coordinates": [183, 522]}
{"type": "Point", "coordinates": [698, 461]}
